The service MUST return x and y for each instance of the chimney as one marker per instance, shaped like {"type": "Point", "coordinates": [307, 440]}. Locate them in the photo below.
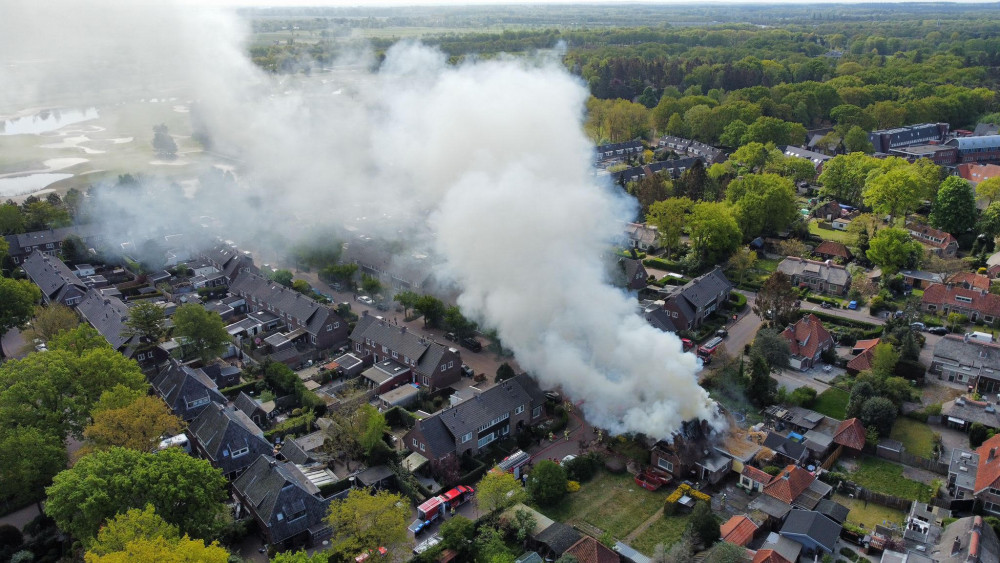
{"type": "Point", "coordinates": [956, 546]}
{"type": "Point", "coordinates": [993, 454]}
{"type": "Point", "coordinates": [402, 330]}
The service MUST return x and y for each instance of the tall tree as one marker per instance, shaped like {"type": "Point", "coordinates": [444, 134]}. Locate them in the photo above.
{"type": "Point", "coordinates": [761, 388]}
{"type": "Point", "coordinates": [880, 413]}
{"type": "Point", "coordinates": [892, 249]}
{"type": "Point", "coordinates": [30, 458]}
{"type": "Point", "coordinates": [17, 302]}
{"type": "Point", "coordinates": [11, 219]}
{"type": "Point", "coordinates": [498, 491]}
{"type": "Point", "coordinates": [138, 426]}
{"type": "Point", "coordinates": [162, 141]}
{"type": "Point", "coordinates": [714, 231]}
{"type": "Point", "coordinates": [50, 321]}
{"type": "Point", "coordinates": [406, 299]}
{"type": "Point", "coordinates": [368, 520]}
{"type": "Point", "coordinates": [988, 190]}
{"type": "Point", "coordinates": [955, 207]}
{"type": "Point", "coordinates": [704, 524]}
{"type": "Point", "coordinates": [669, 217]}
{"type": "Point", "coordinates": [547, 483]}
{"type": "Point", "coordinates": [856, 140]}
{"type": "Point", "coordinates": [776, 299]}
{"type": "Point", "coordinates": [765, 203]}
{"type": "Point", "coordinates": [147, 321]}
{"type": "Point", "coordinates": [131, 525]}
{"type": "Point", "coordinates": [895, 193]}
{"type": "Point", "coordinates": [843, 177]}
{"type": "Point", "coordinates": [161, 550]}
{"type": "Point", "coordinates": [770, 345]}
{"type": "Point", "coordinates": [185, 491]}
{"type": "Point", "coordinates": [281, 276]}
{"type": "Point", "coordinates": [203, 331]}
{"type": "Point", "coordinates": [742, 261]}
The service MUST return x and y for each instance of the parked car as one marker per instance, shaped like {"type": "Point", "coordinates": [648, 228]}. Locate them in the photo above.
{"type": "Point", "coordinates": [366, 300]}
{"type": "Point", "coordinates": [852, 305]}
{"type": "Point", "coordinates": [826, 305]}
{"type": "Point", "coordinates": [938, 330]}
{"type": "Point", "coordinates": [381, 306]}
{"type": "Point", "coordinates": [722, 333]}
{"type": "Point", "coordinates": [472, 344]}
{"type": "Point", "coordinates": [450, 336]}
{"type": "Point", "coordinates": [467, 371]}
{"type": "Point", "coordinates": [918, 326]}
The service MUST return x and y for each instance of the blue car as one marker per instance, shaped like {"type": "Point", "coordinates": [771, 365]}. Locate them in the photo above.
{"type": "Point", "coordinates": [852, 305]}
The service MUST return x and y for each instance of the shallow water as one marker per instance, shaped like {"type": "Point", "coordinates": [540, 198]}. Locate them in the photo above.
{"type": "Point", "coordinates": [21, 185]}
{"type": "Point", "coordinates": [45, 121]}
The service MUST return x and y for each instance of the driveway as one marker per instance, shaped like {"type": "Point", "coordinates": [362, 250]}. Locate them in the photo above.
{"type": "Point", "coordinates": [744, 329]}
{"type": "Point", "coordinates": [851, 314]}
{"type": "Point", "coordinates": [793, 379]}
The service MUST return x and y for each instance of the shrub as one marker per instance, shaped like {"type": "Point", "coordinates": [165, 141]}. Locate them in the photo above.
{"type": "Point", "coordinates": [737, 300]}
{"type": "Point", "coordinates": [582, 468]}
{"type": "Point", "coordinates": [572, 486]}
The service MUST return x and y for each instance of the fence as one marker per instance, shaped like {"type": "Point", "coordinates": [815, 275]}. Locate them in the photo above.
{"type": "Point", "coordinates": [883, 499]}
{"type": "Point", "coordinates": [832, 458]}
{"type": "Point", "coordinates": [902, 456]}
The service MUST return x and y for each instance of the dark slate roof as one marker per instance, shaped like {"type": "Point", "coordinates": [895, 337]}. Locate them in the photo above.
{"type": "Point", "coordinates": [810, 523]}
{"type": "Point", "coordinates": [702, 290]}
{"type": "Point", "coordinates": [782, 444]}
{"type": "Point", "coordinates": [406, 344]}
{"type": "Point", "coordinates": [833, 510]}
{"type": "Point", "coordinates": [439, 441]}
{"type": "Point", "coordinates": [222, 430]}
{"type": "Point", "coordinates": [374, 475]}
{"type": "Point", "coordinates": [293, 452]}
{"type": "Point", "coordinates": [660, 318]}
{"type": "Point", "coordinates": [51, 275]}
{"type": "Point", "coordinates": [107, 315]}
{"type": "Point", "coordinates": [284, 301]}
{"type": "Point", "coordinates": [51, 236]}
{"type": "Point", "coordinates": [412, 269]}
{"type": "Point", "coordinates": [276, 492]}
{"type": "Point", "coordinates": [217, 372]}
{"type": "Point", "coordinates": [179, 386]}
{"type": "Point", "coordinates": [470, 414]}
{"type": "Point", "coordinates": [558, 537]}
{"type": "Point", "coordinates": [247, 404]}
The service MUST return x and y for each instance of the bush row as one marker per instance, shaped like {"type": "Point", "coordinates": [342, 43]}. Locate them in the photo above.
{"type": "Point", "coordinates": [661, 264]}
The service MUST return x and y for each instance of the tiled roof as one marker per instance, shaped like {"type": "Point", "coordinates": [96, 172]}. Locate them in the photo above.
{"type": "Point", "coordinates": [181, 386]}
{"type": "Point", "coordinates": [833, 510]}
{"type": "Point", "coordinates": [282, 497]}
{"type": "Point", "coordinates": [589, 550]}
{"type": "Point", "coordinates": [977, 172]}
{"type": "Point", "coordinates": [107, 315]}
{"type": "Point", "coordinates": [831, 273]}
{"type": "Point", "coordinates": [850, 434]}
{"type": "Point", "coordinates": [930, 236]}
{"type": "Point", "coordinates": [439, 441]}
{"type": "Point", "coordinates": [470, 414]}
{"type": "Point", "coordinates": [833, 248]}
{"type": "Point", "coordinates": [988, 472]}
{"type": "Point", "coordinates": [403, 342]}
{"type": "Point", "coordinates": [703, 289]}
{"type": "Point", "coordinates": [51, 275]}
{"type": "Point", "coordinates": [757, 475]}
{"type": "Point", "coordinates": [224, 431]}
{"type": "Point", "coordinates": [971, 280]}
{"type": "Point", "coordinates": [738, 530]}
{"type": "Point", "coordinates": [807, 336]}
{"type": "Point", "coordinates": [786, 446]}
{"type": "Point", "coordinates": [789, 484]}
{"type": "Point", "coordinates": [942, 295]}
{"type": "Point", "coordinates": [558, 537]}
{"type": "Point", "coordinates": [285, 301]}
{"type": "Point", "coordinates": [769, 556]}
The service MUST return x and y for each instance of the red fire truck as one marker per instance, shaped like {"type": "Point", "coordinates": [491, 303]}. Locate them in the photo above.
{"type": "Point", "coordinates": [433, 507]}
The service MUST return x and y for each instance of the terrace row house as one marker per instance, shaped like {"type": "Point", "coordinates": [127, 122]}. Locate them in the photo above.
{"type": "Point", "coordinates": [375, 340]}
{"type": "Point", "coordinates": [477, 421]}
{"type": "Point", "coordinates": [976, 304]}
{"type": "Point", "coordinates": [49, 241]}
{"type": "Point", "coordinates": [58, 283]}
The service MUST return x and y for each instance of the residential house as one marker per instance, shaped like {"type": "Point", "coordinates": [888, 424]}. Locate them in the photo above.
{"type": "Point", "coordinates": [227, 438]}
{"type": "Point", "coordinates": [864, 354]}
{"type": "Point", "coordinates": [817, 533]}
{"type": "Point", "coordinates": [286, 505]}
{"type": "Point", "coordinates": [680, 456]}
{"type": "Point", "coordinates": [918, 279]}
{"type": "Point", "coordinates": [434, 365]}
{"type": "Point", "coordinates": [799, 420]}
{"type": "Point", "coordinates": [589, 550]}
{"type": "Point", "coordinates": [807, 340]}
{"type": "Point", "coordinates": [967, 540]}
{"type": "Point", "coordinates": [829, 211]}
{"type": "Point", "coordinates": [691, 148]}
{"type": "Point", "coordinates": [666, 168]}
{"type": "Point", "coordinates": [987, 487]}
{"type": "Point", "coordinates": [659, 317]}
{"type": "Point", "coordinates": [962, 412]}
{"type": "Point", "coordinates": [833, 510]}
{"type": "Point", "coordinates": [642, 237]}
{"type": "Point", "coordinates": [631, 274]}
{"type": "Point", "coordinates": [797, 487]}
{"type": "Point", "coordinates": [224, 375]}
{"type": "Point", "coordinates": [789, 451]}
{"type": "Point", "coordinates": [824, 277]}
{"type": "Point", "coordinates": [934, 240]}
{"type": "Point", "coordinates": [49, 241]}
{"type": "Point", "coordinates": [817, 159]}
{"type": "Point", "coordinates": [887, 139]}
{"type": "Point", "coordinates": [58, 283]}
{"type": "Point", "coordinates": [778, 549]}
{"type": "Point", "coordinates": [230, 262]}
{"type": "Point", "coordinates": [851, 436]}
{"type": "Point", "coordinates": [187, 391]}
{"type": "Point", "coordinates": [401, 271]}
{"type": "Point", "coordinates": [977, 305]}
{"type": "Point", "coordinates": [254, 409]}
{"type": "Point", "coordinates": [962, 473]}
{"type": "Point", "coordinates": [967, 360]}
{"type": "Point", "coordinates": [555, 539]}
{"type": "Point", "coordinates": [616, 152]}
{"type": "Point", "coordinates": [976, 173]}
{"type": "Point", "coordinates": [303, 318]}
{"type": "Point", "coordinates": [923, 527]}
{"type": "Point", "coordinates": [832, 250]}
{"type": "Point", "coordinates": [753, 479]}
{"type": "Point", "coordinates": [692, 303]}
{"type": "Point", "coordinates": [970, 280]}
{"type": "Point", "coordinates": [108, 315]}
{"type": "Point", "coordinates": [468, 427]}
{"type": "Point", "coordinates": [386, 376]}
{"type": "Point", "coordinates": [738, 530]}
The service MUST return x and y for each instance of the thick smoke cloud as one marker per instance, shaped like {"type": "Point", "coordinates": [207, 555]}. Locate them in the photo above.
{"type": "Point", "coordinates": [483, 166]}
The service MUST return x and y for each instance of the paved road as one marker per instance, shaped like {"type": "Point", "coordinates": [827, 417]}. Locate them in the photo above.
{"type": "Point", "coordinates": [743, 330]}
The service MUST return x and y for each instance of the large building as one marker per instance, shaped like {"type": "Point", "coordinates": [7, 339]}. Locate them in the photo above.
{"type": "Point", "coordinates": [887, 139]}
{"type": "Point", "coordinates": [977, 149]}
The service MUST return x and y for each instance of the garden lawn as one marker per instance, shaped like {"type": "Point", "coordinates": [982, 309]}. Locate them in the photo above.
{"type": "Point", "coordinates": [613, 503]}
{"type": "Point", "coordinates": [829, 234]}
{"type": "Point", "coordinates": [883, 476]}
{"type": "Point", "coordinates": [664, 530]}
{"type": "Point", "coordinates": [832, 403]}
{"type": "Point", "coordinates": [870, 515]}
{"type": "Point", "coordinates": [916, 436]}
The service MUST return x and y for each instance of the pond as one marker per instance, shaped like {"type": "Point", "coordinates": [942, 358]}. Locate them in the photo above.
{"type": "Point", "coordinates": [21, 185]}
{"type": "Point", "coordinates": [45, 121]}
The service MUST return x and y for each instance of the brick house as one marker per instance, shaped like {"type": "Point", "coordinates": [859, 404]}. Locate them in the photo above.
{"type": "Point", "coordinates": [630, 274]}
{"type": "Point", "coordinates": [797, 487]}
{"type": "Point", "coordinates": [975, 304]}
{"type": "Point", "coordinates": [976, 173]}
{"type": "Point", "coordinates": [374, 340]}
{"type": "Point", "coordinates": [987, 488]}
{"type": "Point", "coordinates": [696, 300]}
{"type": "Point", "coordinates": [302, 317]}
{"type": "Point", "coordinates": [934, 240]}
{"type": "Point", "coordinates": [679, 455]}
{"type": "Point", "coordinates": [824, 277]}
{"type": "Point", "coordinates": [49, 241]}
{"type": "Point", "coordinates": [227, 438]}
{"type": "Point", "coordinates": [58, 283]}
{"type": "Point", "coordinates": [967, 360]}
{"type": "Point", "coordinates": [468, 427]}
{"type": "Point", "coordinates": [186, 390]}
{"type": "Point", "coordinates": [828, 211]}
{"type": "Point", "coordinates": [619, 151]}
{"type": "Point", "coordinates": [832, 250]}
{"type": "Point", "coordinates": [807, 340]}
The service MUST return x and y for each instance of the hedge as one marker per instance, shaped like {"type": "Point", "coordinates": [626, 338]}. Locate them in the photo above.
{"type": "Point", "coordinates": [293, 425]}
{"type": "Point", "coordinates": [327, 490]}
{"type": "Point", "coordinates": [231, 392]}
{"type": "Point", "coordinates": [820, 299]}
{"type": "Point", "coordinates": [661, 264]}
{"type": "Point", "coordinates": [863, 325]}
{"type": "Point", "coordinates": [738, 300]}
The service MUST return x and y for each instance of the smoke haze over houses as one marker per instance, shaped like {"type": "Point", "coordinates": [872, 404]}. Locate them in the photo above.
{"type": "Point", "coordinates": [484, 166]}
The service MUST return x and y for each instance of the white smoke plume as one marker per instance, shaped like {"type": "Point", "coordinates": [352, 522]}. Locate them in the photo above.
{"type": "Point", "coordinates": [484, 166]}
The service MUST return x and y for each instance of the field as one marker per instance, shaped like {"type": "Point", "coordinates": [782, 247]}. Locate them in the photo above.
{"type": "Point", "coordinates": [886, 477]}
{"type": "Point", "coordinates": [832, 403]}
{"type": "Point", "coordinates": [870, 515]}
{"type": "Point", "coordinates": [829, 234]}
{"type": "Point", "coordinates": [916, 436]}
{"type": "Point", "coordinates": [663, 530]}
{"type": "Point", "coordinates": [613, 503]}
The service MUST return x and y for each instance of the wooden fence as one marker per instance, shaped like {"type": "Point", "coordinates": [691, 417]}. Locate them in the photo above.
{"type": "Point", "coordinates": [906, 458]}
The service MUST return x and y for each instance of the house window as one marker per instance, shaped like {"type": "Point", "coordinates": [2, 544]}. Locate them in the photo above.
{"type": "Point", "coordinates": [466, 437]}
{"type": "Point", "coordinates": [312, 339]}
{"type": "Point", "coordinates": [336, 325]}
{"type": "Point", "coordinates": [406, 359]}
{"type": "Point", "coordinates": [357, 347]}
{"type": "Point", "coordinates": [963, 299]}
{"type": "Point", "coordinates": [427, 380]}
{"type": "Point", "coordinates": [394, 355]}
{"type": "Point", "coordinates": [487, 439]}
{"type": "Point", "coordinates": [197, 402]}
{"type": "Point", "coordinates": [444, 367]}
{"type": "Point", "coordinates": [451, 365]}
{"type": "Point", "coordinates": [992, 507]}
{"type": "Point", "coordinates": [519, 409]}
{"type": "Point", "coordinates": [536, 412]}
{"type": "Point", "coordinates": [329, 328]}
{"type": "Point", "coordinates": [414, 442]}
{"type": "Point", "coordinates": [141, 356]}
{"type": "Point", "coordinates": [666, 465]}
{"type": "Point", "coordinates": [385, 350]}
{"type": "Point", "coordinates": [421, 447]}
{"type": "Point", "coordinates": [241, 452]}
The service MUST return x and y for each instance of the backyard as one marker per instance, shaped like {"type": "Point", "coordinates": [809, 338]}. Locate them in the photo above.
{"type": "Point", "coordinates": [829, 234]}
{"type": "Point", "coordinates": [886, 477]}
{"type": "Point", "coordinates": [613, 503]}
{"type": "Point", "coordinates": [663, 530]}
{"type": "Point", "coordinates": [832, 403]}
{"type": "Point", "coordinates": [869, 514]}
{"type": "Point", "coordinates": [917, 437]}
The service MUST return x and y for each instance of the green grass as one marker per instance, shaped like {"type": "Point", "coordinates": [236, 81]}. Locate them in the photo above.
{"type": "Point", "coordinates": [832, 403]}
{"type": "Point", "coordinates": [664, 530]}
{"type": "Point", "coordinates": [871, 515]}
{"type": "Point", "coordinates": [883, 476]}
{"type": "Point", "coordinates": [613, 503]}
{"type": "Point", "coordinates": [829, 234]}
{"type": "Point", "coordinates": [915, 435]}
